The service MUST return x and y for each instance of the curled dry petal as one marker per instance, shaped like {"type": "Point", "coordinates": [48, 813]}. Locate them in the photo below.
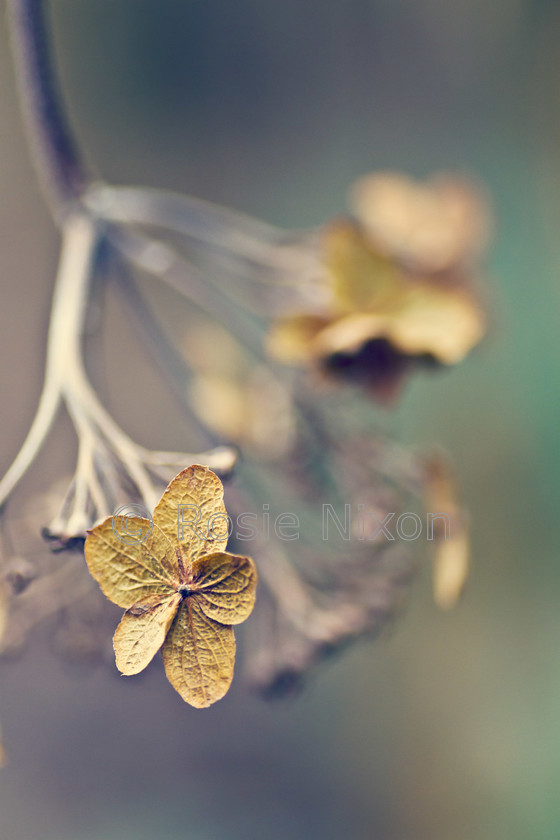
{"type": "Point", "coordinates": [451, 546]}
{"type": "Point", "coordinates": [226, 586]}
{"type": "Point", "coordinates": [433, 225]}
{"type": "Point", "coordinates": [427, 321]}
{"type": "Point", "coordinates": [142, 632]}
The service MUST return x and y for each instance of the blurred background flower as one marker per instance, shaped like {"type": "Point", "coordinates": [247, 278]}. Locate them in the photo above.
{"type": "Point", "coordinates": [397, 285]}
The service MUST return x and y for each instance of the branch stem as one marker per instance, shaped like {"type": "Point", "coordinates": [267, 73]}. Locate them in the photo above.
{"type": "Point", "coordinates": [56, 156]}
{"type": "Point", "coordinates": [65, 332]}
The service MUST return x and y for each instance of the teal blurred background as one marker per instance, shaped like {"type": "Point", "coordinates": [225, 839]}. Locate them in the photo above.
{"type": "Point", "coordinates": [449, 727]}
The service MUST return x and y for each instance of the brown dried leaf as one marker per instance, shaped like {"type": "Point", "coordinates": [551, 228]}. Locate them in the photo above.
{"type": "Point", "coordinates": [199, 655]}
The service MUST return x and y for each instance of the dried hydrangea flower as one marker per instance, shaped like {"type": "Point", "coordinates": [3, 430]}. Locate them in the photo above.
{"type": "Point", "coordinates": [388, 309]}
{"type": "Point", "coordinates": [181, 590]}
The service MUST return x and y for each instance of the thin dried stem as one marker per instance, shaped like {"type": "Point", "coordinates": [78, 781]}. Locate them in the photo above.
{"type": "Point", "coordinates": [66, 325]}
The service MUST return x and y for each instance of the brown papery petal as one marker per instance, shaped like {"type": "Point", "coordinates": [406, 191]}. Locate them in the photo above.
{"type": "Point", "coordinates": [142, 632]}
{"type": "Point", "coordinates": [192, 513]}
{"type": "Point", "coordinates": [129, 572]}
{"type": "Point", "coordinates": [226, 585]}
{"type": "Point", "coordinates": [199, 655]}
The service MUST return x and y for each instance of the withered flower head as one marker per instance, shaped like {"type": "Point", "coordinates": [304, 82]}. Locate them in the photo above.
{"type": "Point", "coordinates": [398, 295]}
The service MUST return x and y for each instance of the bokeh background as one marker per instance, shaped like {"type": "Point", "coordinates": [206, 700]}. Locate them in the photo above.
{"type": "Point", "coordinates": [448, 727]}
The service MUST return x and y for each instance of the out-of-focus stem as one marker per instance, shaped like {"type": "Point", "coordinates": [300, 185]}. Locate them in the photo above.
{"type": "Point", "coordinates": [217, 226]}
{"type": "Point", "coordinates": [56, 156]}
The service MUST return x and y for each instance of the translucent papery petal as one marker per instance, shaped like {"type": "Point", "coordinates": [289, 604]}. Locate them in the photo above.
{"type": "Point", "coordinates": [142, 632]}
{"type": "Point", "coordinates": [199, 655]}
{"type": "Point", "coordinates": [225, 586]}
{"type": "Point", "coordinates": [129, 572]}
{"type": "Point", "coordinates": [192, 512]}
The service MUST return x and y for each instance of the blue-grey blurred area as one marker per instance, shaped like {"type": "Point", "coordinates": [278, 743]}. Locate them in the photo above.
{"type": "Point", "coordinates": [449, 726]}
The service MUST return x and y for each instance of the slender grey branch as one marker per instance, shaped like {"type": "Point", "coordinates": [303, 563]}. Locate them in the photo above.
{"type": "Point", "coordinates": [161, 260]}
{"type": "Point", "coordinates": [169, 360]}
{"type": "Point", "coordinates": [56, 156]}
{"type": "Point", "coordinates": [65, 330]}
{"type": "Point", "coordinates": [215, 225]}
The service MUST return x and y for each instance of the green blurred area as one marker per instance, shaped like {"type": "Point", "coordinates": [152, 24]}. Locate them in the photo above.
{"type": "Point", "coordinates": [450, 726]}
